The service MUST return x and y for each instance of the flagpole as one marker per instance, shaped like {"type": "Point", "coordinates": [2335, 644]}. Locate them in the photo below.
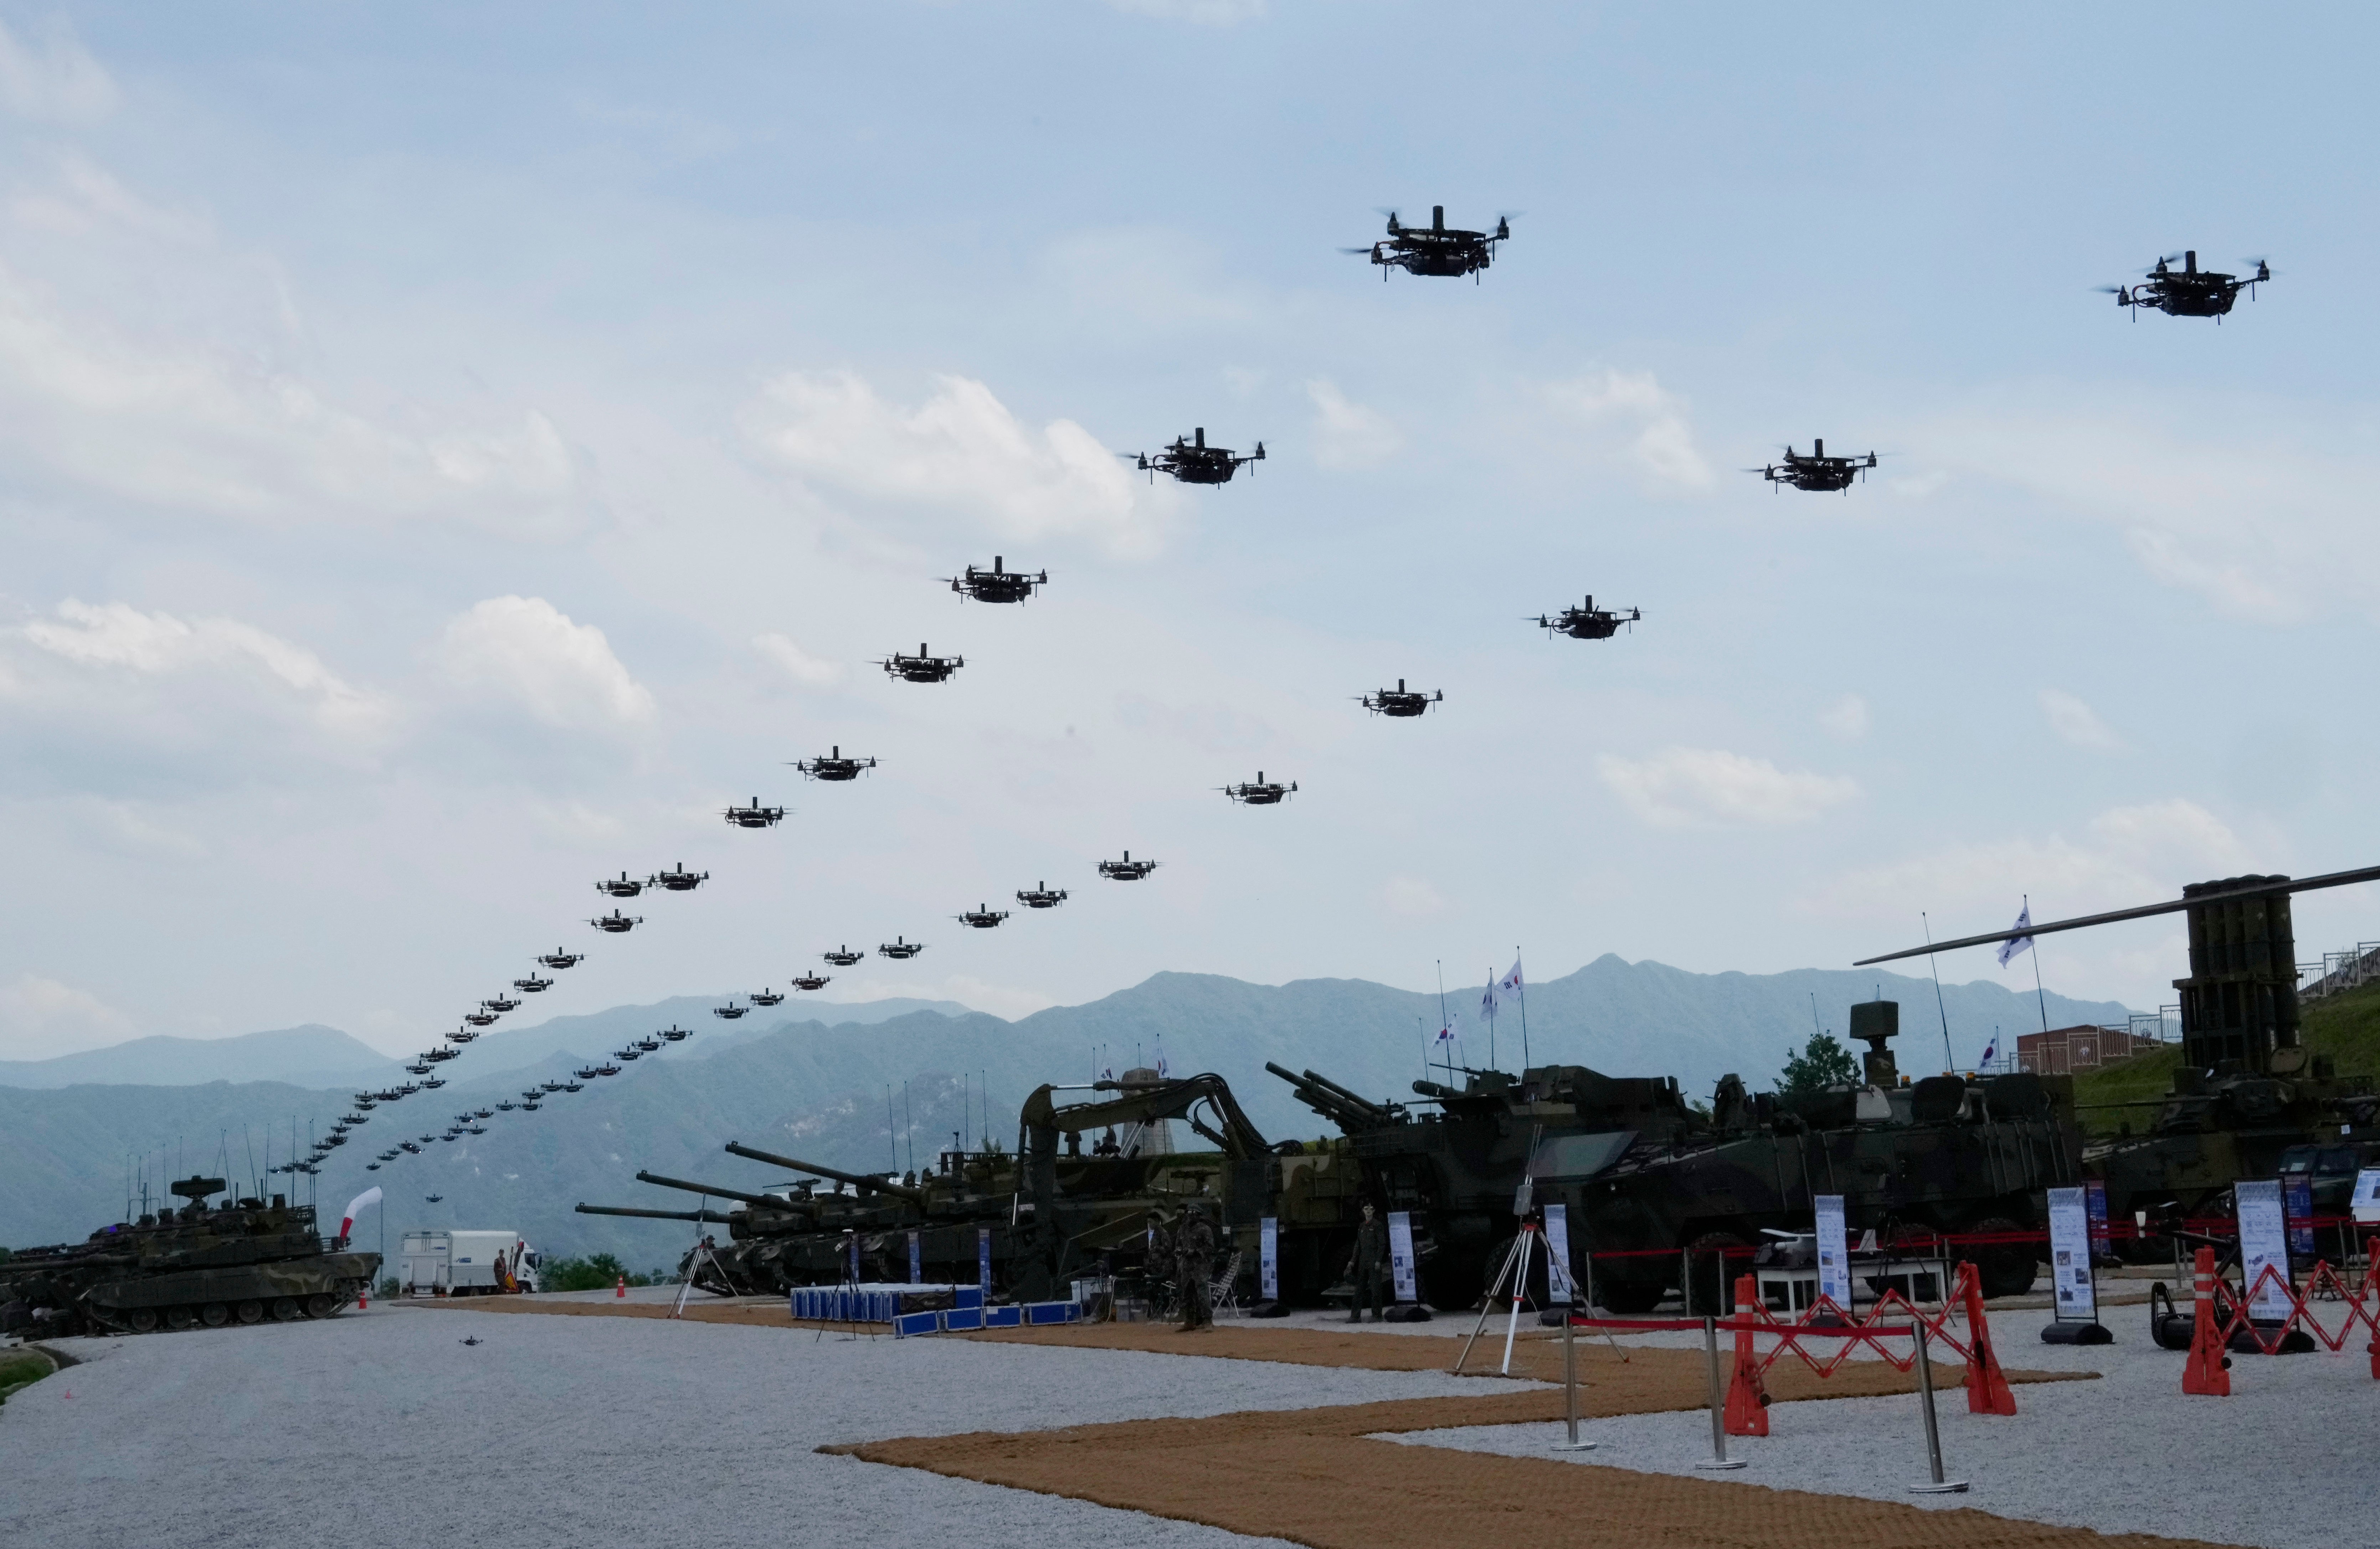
{"type": "Point", "coordinates": [2038, 999]}
{"type": "Point", "coordinates": [1524, 1010]}
{"type": "Point", "coordinates": [1949, 1060]}
{"type": "Point", "coordinates": [1441, 1013]}
{"type": "Point", "coordinates": [1491, 1019]}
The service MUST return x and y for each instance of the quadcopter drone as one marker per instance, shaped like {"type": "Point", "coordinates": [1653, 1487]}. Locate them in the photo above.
{"type": "Point", "coordinates": [1586, 621]}
{"type": "Point", "coordinates": [834, 767]}
{"type": "Point", "coordinates": [2189, 292]}
{"type": "Point", "coordinates": [1127, 869]}
{"type": "Point", "coordinates": [1399, 701]}
{"type": "Point", "coordinates": [1194, 462]}
{"type": "Point", "coordinates": [922, 668]}
{"type": "Point", "coordinates": [1040, 896]}
{"type": "Point", "coordinates": [996, 585]}
{"type": "Point", "coordinates": [1817, 473]}
{"type": "Point", "coordinates": [1435, 249]}
{"type": "Point", "coordinates": [982, 918]}
{"type": "Point", "coordinates": [754, 816]}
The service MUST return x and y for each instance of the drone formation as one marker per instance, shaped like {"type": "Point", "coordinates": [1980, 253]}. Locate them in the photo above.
{"type": "Point", "coordinates": [1435, 251]}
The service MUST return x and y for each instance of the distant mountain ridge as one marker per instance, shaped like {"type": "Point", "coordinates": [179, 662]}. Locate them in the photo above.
{"type": "Point", "coordinates": [894, 1094]}
{"type": "Point", "coordinates": [306, 1056]}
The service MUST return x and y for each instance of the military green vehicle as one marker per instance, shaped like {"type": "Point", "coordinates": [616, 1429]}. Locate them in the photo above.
{"type": "Point", "coordinates": [1456, 1170]}
{"type": "Point", "coordinates": [240, 1262]}
{"type": "Point", "coordinates": [1944, 1154]}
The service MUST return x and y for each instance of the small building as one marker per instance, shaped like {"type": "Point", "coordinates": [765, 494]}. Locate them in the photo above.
{"type": "Point", "coordinates": [2063, 1050]}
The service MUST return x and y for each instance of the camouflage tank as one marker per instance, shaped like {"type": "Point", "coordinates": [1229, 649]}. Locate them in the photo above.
{"type": "Point", "coordinates": [1943, 1154]}
{"type": "Point", "coordinates": [1456, 1170]}
{"type": "Point", "coordinates": [241, 1262]}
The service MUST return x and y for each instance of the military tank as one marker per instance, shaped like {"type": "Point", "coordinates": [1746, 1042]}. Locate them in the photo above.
{"type": "Point", "coordinates": [244, 1261]}
{"type": "Point", "coordinates": [1942, 1155]}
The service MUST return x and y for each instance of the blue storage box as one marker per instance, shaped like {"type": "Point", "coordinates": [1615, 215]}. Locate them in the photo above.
{"type": "Point", "coordinates": [967, 1296]}
{"type": "Point", "coordinates": [1052, 1311]}
{"type": "Point", "coordinates": [916, 1323]}
{"type": "Point", "coordinates": [1003, 1317]}
{"type": "Point", "coordinates": [959, 1318]}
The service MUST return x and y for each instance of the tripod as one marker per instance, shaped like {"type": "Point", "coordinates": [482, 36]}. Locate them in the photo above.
{"type": "Point", "coordinates": [1516, 1269]}
{"type": "Point", "coordinates": [848, 1282]}
{"type": "Point", "coordinates": [701, 1255]}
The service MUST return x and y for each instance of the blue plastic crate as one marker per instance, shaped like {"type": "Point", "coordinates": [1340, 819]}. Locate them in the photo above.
{"type": "Point", "coordinates": [1003, 1317]}
{"type": "Point", "coordinates": [969, 1296]}
{"type": "Point", "coordinates": [908, 1323]}
{"type": "Point", "coordinates": [1052, 1311]}
{"type": "Point", "coordinates": [959, 1318]}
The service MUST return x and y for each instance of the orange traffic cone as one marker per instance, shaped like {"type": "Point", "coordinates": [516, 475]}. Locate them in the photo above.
{"type": "Point", "coordinates": [2209, 1369]}
{"type": "Point", "coordinates": [1987, 1386]}
{"type": "Point", "coordinates": [1747, 1401]}
{"type": "Point", "coordinates": [363, 1298]}
{"type": "Point", "coordinates": [620, 1291]}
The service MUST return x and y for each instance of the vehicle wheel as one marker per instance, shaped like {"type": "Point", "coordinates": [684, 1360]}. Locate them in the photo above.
{"type": "Point", "coordinates": [1628, 1298]}
{"type": "Point", "coordinates": [2002, 1268]}
{"type": "Point", "coordinates": [251, 1311]}
{"type": "Point", "coordinates": [1713, 1290]}
{"type": "Point", "coordinates": [214, 1314]}
{"type": "Point", "coordinates": [142, 1320]}
{"type": "Point", "coordinates": [322, 1304]}
{"type": "Point", "coordinates": [285, 1309]}
{"type": "Point", "coordinates": [179, 1318]}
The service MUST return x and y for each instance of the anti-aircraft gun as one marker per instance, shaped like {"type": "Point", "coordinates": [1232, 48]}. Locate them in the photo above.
{"type": "Point", "coordinates": [1458, 1170]}
{"type": "Point", "coordinates": [1942, 1155]}
{"type": "Point", "coordinates": [240, 1262]}
{"type": "Point", "coordinates": [2248, 1100]}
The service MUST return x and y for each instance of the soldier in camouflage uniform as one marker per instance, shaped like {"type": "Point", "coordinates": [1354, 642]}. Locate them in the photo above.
{"type": "Point", "coordinates": [1367, 1266]}
{"type": "Point", "coordinates": [1193, 1254]}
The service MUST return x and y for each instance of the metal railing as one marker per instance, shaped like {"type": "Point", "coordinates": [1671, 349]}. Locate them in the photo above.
{"type": "Point", "coordinates": [2350, 969]}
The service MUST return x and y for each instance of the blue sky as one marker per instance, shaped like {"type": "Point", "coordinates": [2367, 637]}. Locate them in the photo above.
{"type": "Point", "coordinates": [446, 455]}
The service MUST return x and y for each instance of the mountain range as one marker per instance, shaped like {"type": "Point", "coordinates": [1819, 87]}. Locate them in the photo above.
{"type": "Point", "coordinates": [870, 1095]}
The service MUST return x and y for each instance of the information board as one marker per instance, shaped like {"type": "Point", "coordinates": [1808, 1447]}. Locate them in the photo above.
{"type": "Point", "coordinates": [983, 1259]}
{"type": "Point", "coordinates": [2070, 1256]}
{"type": "Point", "coordinates": [2095, 1196]}
{"type": "Point", "coordinates": [916, 1261]}
{"type": "Point", "coordinates": [1834, 1256]}
{"type": "Point", "coordinates": [2366, 1204]}
{"type": "Point", "coordinates": [1558, 1255]}
{"type": "Point", "coordinates": [2263, 1239]}
{"type": "Point", "coordinates": [1401, 1255]}
{"type": "Point", "coordinates": [1268, 1258]}
{"type": "Point", "coordinates": [2297, 1203]}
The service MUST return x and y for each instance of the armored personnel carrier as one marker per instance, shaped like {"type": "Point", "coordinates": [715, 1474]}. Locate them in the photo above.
{"type": "Point", "coordinates": [240, 1262]}
{"type": "Point", "coordinates": [1944, 1154]}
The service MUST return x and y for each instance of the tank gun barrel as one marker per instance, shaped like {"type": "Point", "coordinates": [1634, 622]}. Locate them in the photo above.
{"type": "Point", "coordinates": [1435, 1089]}
{"type": "Point", "coordinates": [761, 1200]}
{"type": "Point", "coordinates": [1334, 1102]}
{"type": "Point", "coordinates": [713, 1216]}
{"type": "Point", "coordinates": [856, 1179]}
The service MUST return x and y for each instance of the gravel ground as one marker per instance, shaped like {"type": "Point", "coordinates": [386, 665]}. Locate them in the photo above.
{"type": "Point", "coordinates": [381, 1427]}
{"type": "Point", "coordinates": [2274, 1465]}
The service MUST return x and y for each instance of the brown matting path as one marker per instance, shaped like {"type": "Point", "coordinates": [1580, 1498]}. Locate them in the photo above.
{"type": "Point", "coordinates": [1313, 1476]}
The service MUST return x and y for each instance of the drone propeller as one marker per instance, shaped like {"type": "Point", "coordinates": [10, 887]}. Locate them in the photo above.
{"type": "Point", "coordinates": [1355, 250]}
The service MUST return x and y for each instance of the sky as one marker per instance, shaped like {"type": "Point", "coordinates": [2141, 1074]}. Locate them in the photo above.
{"type": "Point", "coordinates": [448, 454]}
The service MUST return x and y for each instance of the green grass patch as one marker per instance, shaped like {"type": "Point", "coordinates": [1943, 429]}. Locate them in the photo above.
{"type": "Point", "coordinates": [2345, 1028]}
{"type": "Point", "coordinates": [22, 1369]}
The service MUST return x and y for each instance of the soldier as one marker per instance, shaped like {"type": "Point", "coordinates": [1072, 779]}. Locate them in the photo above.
{"type": "Point", "coordinates": [1368, 1264]}
{"type": "Point", "coordinates": [1194, 1249]}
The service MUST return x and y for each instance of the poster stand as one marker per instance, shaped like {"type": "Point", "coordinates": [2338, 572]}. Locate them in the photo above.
{"type": "Point", "coordinates": [2074, 1319]}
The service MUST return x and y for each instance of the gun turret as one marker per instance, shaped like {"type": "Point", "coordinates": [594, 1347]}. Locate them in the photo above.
{"type": "Point", "coordinates": [712, 1217]}
{"type": "Point", "coordinates": [765, 1202]}
{"type": "Point", "coordinates": [1351, 1113]}
{"type": "Point", "coordinates": [1435, 1089]}
{"type": "Point", "coordinates": [859, 1180]}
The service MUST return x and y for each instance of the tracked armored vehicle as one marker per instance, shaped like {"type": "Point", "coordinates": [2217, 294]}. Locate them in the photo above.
{"type": "Point", "coordinates": [243, 1260]}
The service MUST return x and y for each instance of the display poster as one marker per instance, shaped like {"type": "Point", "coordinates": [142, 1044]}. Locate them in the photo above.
{"type": "Point", "coordinates": [1268, 1259]}
{"type": "Point", "coordinates": [1558, 1289]}
{"type": "Point", "coordinates": [2070, 1256]}
{"type": "Point", "coordinates": [916, 1261]}
{"type": "Point", "coordinates": [2366, 1203]}
{"type": "Point", "coordinates": [2263, 1239]}
{"type": "Point", "coordinates": [983, 1258]}
{"type": "Point", "coordinates": [2297, 1202]}
{"type": "Point", "coordinates": [852, 1239]}
{"type": "Point", "coordinates": [2095, 1196]}
{"type": "Point", "coordinates": [1401, 1255]}
{"type": "Point", "coordinates": [1834, 1257]}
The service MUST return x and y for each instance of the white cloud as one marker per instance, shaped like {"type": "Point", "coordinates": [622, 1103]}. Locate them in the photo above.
{"type": "Point", "coordinates": [1346, 435]}
{"type": "Point", "coordinates": [2076, 723]}
{"type": "Point", "coordinates": [85, 197]}
{"type": "Point", "coordinates": [1206, 13]}
{"type": "Point", "coordinates": [117, 637]}
{"type": "Point", "coordinates": [1411, 898]}
{"type": "Point", "coordinates": [1686, 787]}
{"type": "Point", "coordinates": [961, 451]}
{"type": "Point", "coordinates": [41, 1018]}
{"type": "Point", "coordinates": [51, 78]}
{"type": "Point", "coordinates": [1847, 718]}
{"type": "Point", "coordinates": [209, 428]}
{"type": "Point", "coordinates": [810, 671]}
{"type": "Point", "coordinates": [527, 652]}
{"type": "Point", "coordinates": [1631, 419]}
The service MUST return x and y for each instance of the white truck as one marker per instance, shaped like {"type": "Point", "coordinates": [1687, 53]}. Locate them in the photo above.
{"type": "Point", "coordinates": [466, 1264]}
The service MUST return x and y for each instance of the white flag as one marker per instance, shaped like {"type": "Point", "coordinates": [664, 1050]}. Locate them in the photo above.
{"type": "Point", "coordinates": [1487, 1002]}
{"type": "Point", "coordinates": [1509, 986]}
{"type": "Point", "coordinates": [2014, 945]}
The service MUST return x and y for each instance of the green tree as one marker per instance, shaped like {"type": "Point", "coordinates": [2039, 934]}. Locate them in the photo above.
{"type": "Point", "coordinates": [1822, 1062]}
{"type": "Point", "coordinates": [597, 1272]}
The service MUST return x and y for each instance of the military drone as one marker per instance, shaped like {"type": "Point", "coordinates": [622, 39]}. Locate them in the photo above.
{"type": "Point", "coordinates": [631, 1052]}
{"type": "Point", "coordinates": [922, 668]}
{"type": "Point", "coordinates": [530, 1107]}
{"type": "Point", "coordinates": [983, 918]}
{"type": "Point", "coordinates": [842, 957]}
{"type": "Point", "coordinates": [465, 1034]}
{"type": "Point", "coordinates": [1436, 248]}
{"type": "Point", "coordinates": [1194, 462]}
{"type": "Point", "coordinates": [1258, 792]}
{"type": "Point", "coordinates": [622, 886]}
{"type": "Point", "coordinates": [682, 880]}
{"type": "Point", "coordinates": [997, 585]}
{"type": "Point", "coordinates": [767, 997]}
{"type": "Point", "coordinates": [408, 1148]}
{"type": "Point", "coordinates": [902, 950]}
{"type": "Point", "coordinates": [558, 958]}
{"type": "Point", "coordinates": [419, 1068]}
{"type": "Point", "coordinates": [754, 817]}
{"type": "Point", "coordinates": [1127, 869]}
{"type": "Point", "coordinates": [372, 1167]}
{"type": "Point", "coordinates": [1586, 621]}
{"type": "Point", "coordinates": [834, 766]}
{"type": "Point", "coordinates": [532, 985]}
{"type": "Point", "coordinates": [1817, 473]}
{"type": "Point", "coordinates": [2191, 292]}
{"type": "Point", "coordinates": [500, 1005]}
{"type": "Point", "coordinates": [731, 1010]}
{"type": "Point", "coordinates": [431, 1084]}
{"type": "Point", "coordinates": [616, 924]}
{"type": "Point", "coordinates": [551, 1086]}
{"type": "Point", "coordinates": [818, 981]}
{"type": "Point", "coordinates": [652, 1043]}
{"type": "Point", "coordinates": [1399, 701]}
{"type": "Point", "coordinates": [1040, 896]}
